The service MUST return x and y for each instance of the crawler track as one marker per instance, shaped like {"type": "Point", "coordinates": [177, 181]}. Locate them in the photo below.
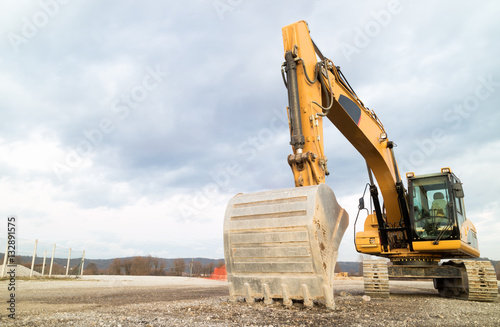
{"type": "Point", "coordinates": [482, 281]}
{"type": "Point", "coordinates": [376, 278]}
{"type": "Point", "coordinates": [478, 282]}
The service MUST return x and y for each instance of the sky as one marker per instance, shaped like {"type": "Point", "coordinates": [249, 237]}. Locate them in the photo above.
{"type": "Point", "coordinates": [127, 126]}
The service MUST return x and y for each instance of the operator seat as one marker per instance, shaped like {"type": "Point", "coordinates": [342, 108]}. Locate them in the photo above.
{"type": "Point", "coordinates": [438, 205]}
{"type": "Point", "coordinates": [438, 210]}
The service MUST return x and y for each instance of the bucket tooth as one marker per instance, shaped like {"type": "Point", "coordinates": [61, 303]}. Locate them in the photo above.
{"type": "Point", "coordinates": [286, 299]}
{"type": "Point", "coordinates": [267, 294]}
{"type": "Point", "coordinates": [277, 242]}
{"type": "Point", "coordinates": [329, 303]}
{"type": "Point", "coordinates": [232, 297]}
{"type": "Point", "coordinates": [248, 294]}
{"type": "Point", "coordinates": [307, 297]}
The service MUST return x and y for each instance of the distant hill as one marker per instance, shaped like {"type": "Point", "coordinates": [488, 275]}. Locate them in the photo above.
{"type": "Point", "coordinates": [39, 260]}
{"type": "Point", "coordinates": [351, 267]}
{"type": "Point", "coordinates": [346, 266]}
{"type": "Point", "coordinates": [104, 263]}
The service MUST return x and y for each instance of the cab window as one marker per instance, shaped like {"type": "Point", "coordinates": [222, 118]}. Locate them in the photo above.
{"type": "Point", "coordinates": [432, 208]}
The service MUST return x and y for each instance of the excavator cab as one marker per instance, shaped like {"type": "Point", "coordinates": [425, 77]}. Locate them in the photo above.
{"type": "Point", "coordinates": [436, 228]}
{"type": "Point", "coordinates": [437, 216]}
{"type": "Point", "coordinates": [437, 206]}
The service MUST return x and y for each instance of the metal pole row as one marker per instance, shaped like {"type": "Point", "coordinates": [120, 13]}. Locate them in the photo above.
{"type": "Point", "coordinates": [33, 259]}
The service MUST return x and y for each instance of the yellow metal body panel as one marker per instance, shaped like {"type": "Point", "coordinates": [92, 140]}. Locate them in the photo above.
{"type": "Point", "coordinates": [451, 248]}
{"type": "Point", "coordinates": [426, 246]}
{"type": "Point", "coordinates": [368, 242]}
{"type": "Point", "coordinates": [371, 223]}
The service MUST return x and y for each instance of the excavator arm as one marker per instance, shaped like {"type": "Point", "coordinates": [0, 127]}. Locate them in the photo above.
{"type": "Point", "coordinates": [318, 89]}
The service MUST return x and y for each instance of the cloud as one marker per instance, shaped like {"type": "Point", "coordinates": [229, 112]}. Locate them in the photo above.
{"type": "Point", "coordinates": [96, 153]}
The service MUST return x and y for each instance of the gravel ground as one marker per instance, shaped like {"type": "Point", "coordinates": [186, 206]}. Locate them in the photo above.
{"type": "Point", "coordinates": [177, 301]}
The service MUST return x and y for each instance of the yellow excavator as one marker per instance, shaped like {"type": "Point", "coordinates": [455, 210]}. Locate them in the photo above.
{"type": "Point", "coordinates": [283, 244]}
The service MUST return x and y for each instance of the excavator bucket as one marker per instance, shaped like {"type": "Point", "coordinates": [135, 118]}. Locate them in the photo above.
{"type": "Point", "coordinates": [283, 244]}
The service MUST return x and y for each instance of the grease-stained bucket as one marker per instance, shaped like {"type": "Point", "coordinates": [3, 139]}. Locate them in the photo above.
{"type": "Point", "coordinates": [283, 244]}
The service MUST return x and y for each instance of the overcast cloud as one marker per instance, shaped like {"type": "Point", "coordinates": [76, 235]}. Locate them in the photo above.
{"type": "Point", "coordinates": [127, 126]}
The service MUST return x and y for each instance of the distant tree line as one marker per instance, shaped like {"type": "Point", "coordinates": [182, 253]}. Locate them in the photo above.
{"type": "Point", "coordinates": [204, 270]}
{"type": "Point", "coordinates": [139, 266]}
{"type": "Point", "coordinates": [152, 266]}
{"type": "Point", "coordinates": [158, 267]}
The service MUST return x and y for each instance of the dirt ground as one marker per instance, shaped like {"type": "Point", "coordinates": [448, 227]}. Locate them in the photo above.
{"type": "Point", "coordinates": [178, 301]}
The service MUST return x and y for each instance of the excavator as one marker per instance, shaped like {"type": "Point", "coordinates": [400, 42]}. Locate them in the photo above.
{"type": "Point", "coordinates": [283, 244]}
